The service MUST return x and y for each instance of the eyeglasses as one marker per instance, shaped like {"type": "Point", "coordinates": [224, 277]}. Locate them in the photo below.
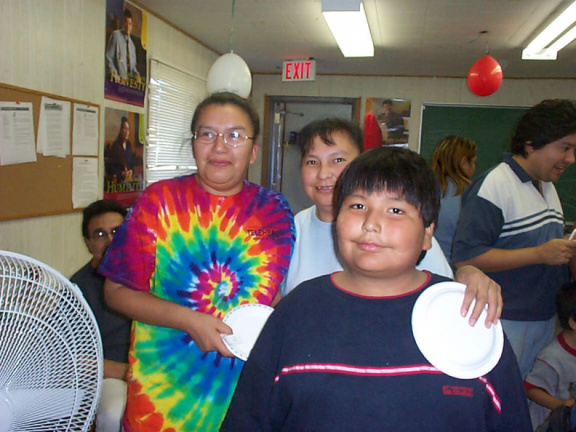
{"type": "Point", "coordinates": [233, 138]}
{"type": "Point", "coordinates": [101, 234]}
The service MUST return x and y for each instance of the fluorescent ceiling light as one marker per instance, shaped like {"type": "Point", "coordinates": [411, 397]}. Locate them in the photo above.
{"type": "Point", "coordinates": [553, 38]}
{"type": "Point", "coordinates": [348, 24]}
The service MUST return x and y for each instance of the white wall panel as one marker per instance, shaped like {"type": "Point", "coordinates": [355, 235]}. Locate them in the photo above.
{"type": "Point", "coordinates": [57, 46]}
{"type": "Point", "coordinates": [518, 92]}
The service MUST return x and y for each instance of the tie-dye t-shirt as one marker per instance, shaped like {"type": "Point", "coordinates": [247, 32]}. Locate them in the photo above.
{"type": "Point", "coordinates": [209, 253]}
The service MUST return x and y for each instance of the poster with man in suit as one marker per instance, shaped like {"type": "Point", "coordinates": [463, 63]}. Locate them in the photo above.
{"type": "Point", "coordinates": [387, 122]}
{"type": "Point", "coordinates": [125, 56]}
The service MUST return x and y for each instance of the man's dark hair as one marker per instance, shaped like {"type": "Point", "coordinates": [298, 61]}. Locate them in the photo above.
{"type": "Point", "coordinates": [100, 207]}
{"type": "Point", "coordinates": [544, 123]}
{"type": "Point", "coordinates": [226, 98]}
{"type": "Point", "coordinates": [395, 170]}
{"type": "Point", "coordinates": [566, 304]}
{"type": "Point", "coordinates": [127, 13]}
{"type": "Point", "coordinates": [324, 128]}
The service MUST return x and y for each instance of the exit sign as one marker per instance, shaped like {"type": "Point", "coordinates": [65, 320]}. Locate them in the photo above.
{"type": "Point", "coordinates": [299, 70]}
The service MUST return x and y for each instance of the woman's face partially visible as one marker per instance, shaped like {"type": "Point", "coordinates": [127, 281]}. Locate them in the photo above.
{"type": "Point", "coordinates": [468, 166]}
{"type": "Point", "coordinates": [125, 131]}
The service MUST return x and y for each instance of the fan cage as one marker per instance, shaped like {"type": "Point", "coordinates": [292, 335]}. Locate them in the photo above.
{"type": "Point", "coordinates": [50, 350]}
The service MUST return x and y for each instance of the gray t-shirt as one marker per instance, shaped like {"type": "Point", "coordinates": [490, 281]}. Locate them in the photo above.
{"type": "Point", "coordinates": [555, 372]}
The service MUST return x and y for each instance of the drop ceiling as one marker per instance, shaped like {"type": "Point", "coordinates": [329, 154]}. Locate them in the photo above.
{"type": "Point", "coordinates": [411, 37]}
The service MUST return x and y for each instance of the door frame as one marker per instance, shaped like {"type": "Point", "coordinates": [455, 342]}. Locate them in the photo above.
{"type": "Point", "coordinates": [273, 130]}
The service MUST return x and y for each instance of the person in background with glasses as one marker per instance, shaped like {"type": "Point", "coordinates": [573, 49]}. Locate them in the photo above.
{"type": "Point", "coordinates": [100, 221]}
{"type": "Point", "coordinates": [193, 248]}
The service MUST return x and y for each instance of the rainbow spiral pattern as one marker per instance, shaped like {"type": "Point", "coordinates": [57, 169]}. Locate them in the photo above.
{"type": "Point", "coordinates": [208, 253]}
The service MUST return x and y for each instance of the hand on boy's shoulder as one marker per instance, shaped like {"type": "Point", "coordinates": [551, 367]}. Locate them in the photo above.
{"type": "Point", "coordinates": [483, 291]}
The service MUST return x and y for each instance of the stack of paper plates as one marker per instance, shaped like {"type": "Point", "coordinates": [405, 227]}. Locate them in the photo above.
{"type": "Point", "coordinates": [246, 322]}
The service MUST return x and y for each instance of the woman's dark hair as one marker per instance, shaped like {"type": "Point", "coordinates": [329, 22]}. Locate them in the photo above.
{"type": "Point", "coordinates": [119, 138]}
{"type": "Point", "coordinates": [544, 123]}
{"type": "Point", "coordinates": [566, 304]}
{"type": "Point", "coordinates": [226, 98]}
{"type": "Point", "coordinates": [96, 209]}
{"type": "Point", "coordinates": [395, 170]}
{"type": "Point", "coordinates": [324, 128]}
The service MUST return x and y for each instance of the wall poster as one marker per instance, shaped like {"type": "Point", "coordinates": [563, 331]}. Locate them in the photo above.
{"type": "Point", "coordinates": [123, 155]}
{"type": "Point", "coordinates": [125, 56]}
{"type": "Point", "coordinates": [388, 122]}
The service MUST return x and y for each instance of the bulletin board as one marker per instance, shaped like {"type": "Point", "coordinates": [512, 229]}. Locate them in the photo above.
{"type": "Point", "coordinates": [491, 127]}
{"type": "Point", "coordinates": [38, 188]}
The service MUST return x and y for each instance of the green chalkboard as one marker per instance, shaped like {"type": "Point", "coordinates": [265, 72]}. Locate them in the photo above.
{"type": "Point", "coordinates": [491, 127]}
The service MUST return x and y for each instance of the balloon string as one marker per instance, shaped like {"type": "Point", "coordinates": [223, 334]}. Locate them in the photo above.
{"type": "Point", "coordinates": [232, 29]}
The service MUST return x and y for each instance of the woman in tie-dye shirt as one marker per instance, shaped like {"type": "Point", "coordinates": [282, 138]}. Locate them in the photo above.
{"type": "Point", "coordinates": [191, 249]}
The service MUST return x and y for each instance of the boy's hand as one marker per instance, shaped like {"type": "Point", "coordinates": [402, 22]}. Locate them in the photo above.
{"type": "Point", "coordinates": [484, 290]}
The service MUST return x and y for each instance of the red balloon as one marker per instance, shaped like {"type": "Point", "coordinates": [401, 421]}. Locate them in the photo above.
{"type": "Point", "coordinates": [485, 76]}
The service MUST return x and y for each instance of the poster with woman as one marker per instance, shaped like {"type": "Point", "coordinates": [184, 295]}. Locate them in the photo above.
{"type": "Point", "coordinates": [125, 56]}
{"type": "Point", "coordinates": [123, 155]}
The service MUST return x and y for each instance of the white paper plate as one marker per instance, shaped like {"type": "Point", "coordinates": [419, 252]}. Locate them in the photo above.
{"type": "Point", "coordinates": [246, 322]}
{"type": "Point", "coordinates": [446, 339]}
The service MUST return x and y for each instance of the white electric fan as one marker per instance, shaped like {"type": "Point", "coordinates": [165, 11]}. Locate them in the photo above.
{"type": "Point", "coordinates": [50, 350]}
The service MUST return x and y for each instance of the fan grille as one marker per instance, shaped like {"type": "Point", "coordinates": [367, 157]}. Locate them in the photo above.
{"type": "Point", "coordinates": [50, 350]}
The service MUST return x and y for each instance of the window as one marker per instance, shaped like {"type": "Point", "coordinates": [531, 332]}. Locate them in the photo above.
{"type": "Point", "coordinates": [172, 98]}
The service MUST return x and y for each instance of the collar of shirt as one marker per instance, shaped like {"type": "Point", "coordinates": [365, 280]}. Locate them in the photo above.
{"type": "Point", "coordinates": [519, 171]}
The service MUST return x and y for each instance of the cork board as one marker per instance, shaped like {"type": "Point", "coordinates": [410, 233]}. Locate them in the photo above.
{"type": "Point", "coordinates": [38, 188]}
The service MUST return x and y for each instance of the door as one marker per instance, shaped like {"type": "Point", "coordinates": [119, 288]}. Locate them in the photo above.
{"type": "Point", "coordinates": [289, 115]}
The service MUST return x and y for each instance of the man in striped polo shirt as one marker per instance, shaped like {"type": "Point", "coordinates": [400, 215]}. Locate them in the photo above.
{"type": "Point", "coordinates": [511, 226]}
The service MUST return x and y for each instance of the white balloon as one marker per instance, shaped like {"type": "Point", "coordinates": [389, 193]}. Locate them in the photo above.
{"type": "Point", "coordinates": [230, 73]}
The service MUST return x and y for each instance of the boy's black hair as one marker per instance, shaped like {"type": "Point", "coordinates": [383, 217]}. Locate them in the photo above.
{"type": "Point", "coordinates": [395, 170]}
{"type": "Point", "coordinates": [227, 98]}
{"type": "Point", "coordinates": [324, 128]}
{"type": "Point", "coordinates": [566, 304]}
{"type": "Point", "coordinates": [96, 209]}
{"type": "Point", "coordinates": [544, 123]}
